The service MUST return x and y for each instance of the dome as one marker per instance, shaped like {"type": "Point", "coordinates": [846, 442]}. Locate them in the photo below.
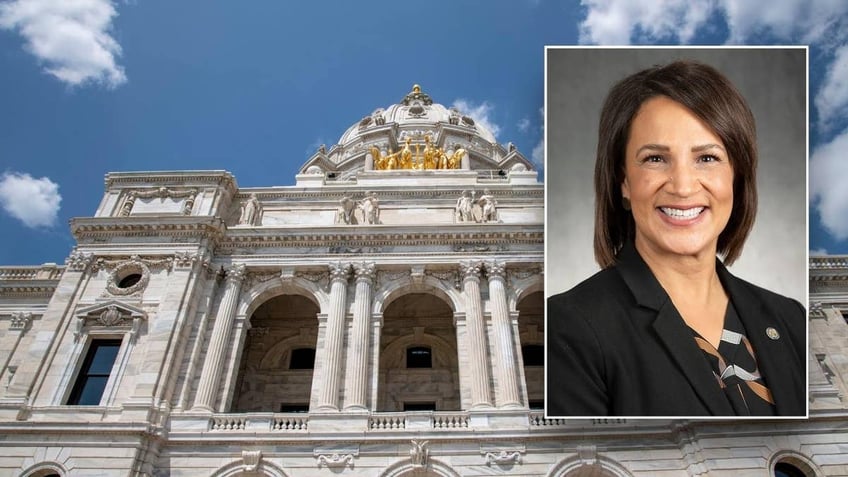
{"type": "Point", "coordinates": [415, 110]}
{"type": "Point", "coordinates": [415, 133]}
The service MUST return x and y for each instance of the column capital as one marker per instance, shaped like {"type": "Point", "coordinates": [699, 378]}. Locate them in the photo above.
{"type": "Point", "coordinates": [364, 271]}
{"type": "Point", "coordinates": [339, 271]}
{"type": "Point", "coordinates": [236, 273]}
{"type": "Point", "coordinates": [470, 269]}
{"type": "Point", "coordinates": [496, 269]}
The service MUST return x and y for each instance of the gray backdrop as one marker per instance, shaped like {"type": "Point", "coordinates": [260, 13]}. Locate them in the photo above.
{"type": "Point", "coordinates": [773, 81]}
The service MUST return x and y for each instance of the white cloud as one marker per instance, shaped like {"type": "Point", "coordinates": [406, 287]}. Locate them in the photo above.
{"type": "Point", "coordinates": [538, 154]}
{"type": "Point", "coordinates": [479, 113]}
{"type": "Point", "coordinates": [35, 202]}
{"type": "Point", "coordinates": [818, 252]}
{"type": "Point", "coordinates": [523, 125]}
{"type": "Point", "coordinates": [828, 169]}
{"type": "Point", "coordinates": [805, 21]}
{"type": "Point", "coordinates": [70, 37]}
{"type": "Point", "coordinates": [832, 99]}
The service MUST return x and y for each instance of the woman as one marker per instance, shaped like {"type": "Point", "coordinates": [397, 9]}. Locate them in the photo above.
{"type": "Point", "coordinates": [664, 329]}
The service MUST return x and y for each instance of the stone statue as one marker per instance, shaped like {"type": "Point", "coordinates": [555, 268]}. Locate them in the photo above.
{"type": "Point", "coordinates": [463, 210]}
{"type": "Point", "coordinates": [249, 211]}
{"type": "Point", "coordinates": [370, 208]}
{"type": "Point", "coordinates": [346, 208]}
{"type": "Point", "coordinates": [488, 204]}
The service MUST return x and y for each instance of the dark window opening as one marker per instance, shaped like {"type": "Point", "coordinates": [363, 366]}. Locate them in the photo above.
{"type": "Point", "coordinates": [302, 358]}
{"type": "Point", "coordinates": [783, 469]}
{"type": "Point", "coordinates": [129, 280]}
{"type": "Point", "coordinates": [419, 406]}
{"type": "Point", "coordinates": [299, 407]}
{"type": "Point", "coordinates": [537, 404]}
{"type": "Point", "coordinates": [419, 357]}
{"type": "Point", "coordinates": [534, 355]}
{"type": "Point", "coordinates": [94, 373]}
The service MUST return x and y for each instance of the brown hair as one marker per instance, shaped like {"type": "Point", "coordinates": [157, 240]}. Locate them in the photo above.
{"type": "Point", "coordinates": [713, 99]}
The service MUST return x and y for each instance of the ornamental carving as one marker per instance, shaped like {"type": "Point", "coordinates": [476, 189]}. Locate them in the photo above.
{"type": "Point", "coordinates": [250, 460]}
{"type": "Point", "coordinates": [134, 266]}
{"type": "Point", "coordinates": [335, 460]}
{"type": "Point", "coordinates": [470, 268]}
{"type": "Point", "coordinates": [237, 272]}
{"type": "Point", "coordinates": [419, 454]}
{"type": "Point", "coordinates": [21, 321]}
{"type": "Point", "coordinates": [339, 271]}
{"type": "Point", "coordinates": [112, 315]}
{"type": "Point", "coordinates": [385, 276]}
{"type": "Point", "coordinates": [449, 277]}
{"type": "Point", "coordinates": [79, 261]}
{"type": "Point", "coordinates": [162, 193]}
{"type": "Point", "coordinates": [188, 259]}
{"type": "Point", "coordinates": [416, 95]}
{"type": "Point", "coordinates": [251, 212]}
{"type": "Point", "coordinates": [503, 458]}
{"type": "Point", "coordinates": [364, 270]}
{"type": "Point", "coordinates": [495, 268]}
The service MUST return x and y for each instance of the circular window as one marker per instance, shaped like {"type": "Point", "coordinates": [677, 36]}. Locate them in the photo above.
{"type": "Point", "coordinates": [784, 469]}
{"type": "Point", "coordinates": [129, 280]}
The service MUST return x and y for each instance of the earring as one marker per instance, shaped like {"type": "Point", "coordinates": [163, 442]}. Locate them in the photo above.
{"type": "Point", "coordinates": [625, 202]}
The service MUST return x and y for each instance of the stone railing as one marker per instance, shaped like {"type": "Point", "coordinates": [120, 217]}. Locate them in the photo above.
{"type": "Point", "coordinates": [537, 419]}
{"type": "Point", "coordinates": [828, 262]}
{"type": "Point", "coordinates": [450, 421]}
{"type": "Point", "coordinates": [387, 421]}
{"type": "Point", "coordinates": [265, 422]}
{"type": "Point", "coordinates": [31, 273]}
{"type": "Point", "coordinates": [383, 421]}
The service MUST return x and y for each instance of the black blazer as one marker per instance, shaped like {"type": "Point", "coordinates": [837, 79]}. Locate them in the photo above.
{"type": "Point", "coordinates": [617, 346]}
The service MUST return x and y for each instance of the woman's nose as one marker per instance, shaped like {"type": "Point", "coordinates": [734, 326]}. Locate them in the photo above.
{"type": "Point", "coordinates": [682, 179]}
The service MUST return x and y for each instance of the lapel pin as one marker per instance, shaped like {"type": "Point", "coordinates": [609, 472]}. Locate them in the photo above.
{"type": "Point", "coordinates": [772, 333]}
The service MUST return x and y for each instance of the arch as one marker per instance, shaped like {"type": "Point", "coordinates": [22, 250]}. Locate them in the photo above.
{"type": "Point", "coordinates": [588, 466]}
{"type": "Point", "coordinates": [237, 469]}
{"type": "Point", "coordinates": [43, 469]}
{"type": "Point", "coordinates": [405, 468]}
{"type": "Point", "coordinates": [257, 295]}
{"type": "Point", "coordinates": [439, 347]}
{"type": "Point", "coordinates": [522, 288]}
{"type": "Point", "coordinates": [277, 352]}
{"type": "Point", "coordinates": [394, 289]}
{"type": "Point", "coordinates": [795, 458]}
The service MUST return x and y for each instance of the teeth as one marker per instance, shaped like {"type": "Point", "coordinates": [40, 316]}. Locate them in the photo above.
{"type": "Point", "coordinates": [682, 213]}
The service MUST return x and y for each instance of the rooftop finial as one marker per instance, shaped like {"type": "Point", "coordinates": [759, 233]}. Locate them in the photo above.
{"type": "Point", "coordinates": [417, 95]}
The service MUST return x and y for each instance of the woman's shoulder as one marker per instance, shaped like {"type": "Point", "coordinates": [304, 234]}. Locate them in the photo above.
{"type": "Point", "coordinates": [592, 291]}
{"type": "Point", "coordinates": [745, 289]}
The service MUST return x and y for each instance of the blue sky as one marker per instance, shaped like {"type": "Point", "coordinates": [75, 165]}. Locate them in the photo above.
{"type": "Point", "coordinates": [92, 86]}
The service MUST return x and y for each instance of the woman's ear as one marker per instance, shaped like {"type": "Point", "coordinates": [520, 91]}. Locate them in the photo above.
{"type": "Point", "coordinates": [625, 194]}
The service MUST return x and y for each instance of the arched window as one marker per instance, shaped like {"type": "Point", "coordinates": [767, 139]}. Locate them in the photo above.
{"type": "Point", "coordinates": [785, 469]}
{"type": "Point", "coordinates": [419, 357]}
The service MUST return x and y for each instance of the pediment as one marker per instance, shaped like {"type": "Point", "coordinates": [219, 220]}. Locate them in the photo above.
{"type": "Point", "coordinates": [111, 306]}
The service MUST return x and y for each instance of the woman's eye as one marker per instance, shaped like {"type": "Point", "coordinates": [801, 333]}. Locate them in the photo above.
{"type": "Point", "coordinates": [708, 158]}
{"type": "Point", "coordinates": [653, 159]}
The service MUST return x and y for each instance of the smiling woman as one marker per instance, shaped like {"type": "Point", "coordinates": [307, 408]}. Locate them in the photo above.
{"type": "Point", "coordinates": [664, 329]}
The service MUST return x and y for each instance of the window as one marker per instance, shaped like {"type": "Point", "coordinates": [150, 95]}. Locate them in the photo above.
{"type": "Point", "coordinates": [419, 406]}
{"type": "Point", "coordinates": [298, 407]}
{"type": "Point", "coordinates": [534, 355]}
{"type": "Point", "coordinates": [94, 373]}
{"type": "Point", "coordinates": [783, 469]}
{"type": "Point", "coordinates": [419, 357]}
{"type": "Point", "coordinates": [302, 358]}
{"type": "Point", "coordinates": [129, 280]}
{"type": "Point", "coordinates": [536, 404]}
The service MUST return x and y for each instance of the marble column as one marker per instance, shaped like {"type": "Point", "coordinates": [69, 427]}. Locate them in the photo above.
{"type": "Point", "coordinates": [507, 376]}
{"type": "Point", "coordinates": [219, 342]}
{"type": "Point", "coordinates": [334, 338]}
{"type": "Point", "coordinates": [356, 375]}
{"type": "Point", "coordinates": [476, 331]}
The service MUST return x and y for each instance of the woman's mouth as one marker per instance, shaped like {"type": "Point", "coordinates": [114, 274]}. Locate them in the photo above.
{"type": "Point", "coordinates": [682, 214]}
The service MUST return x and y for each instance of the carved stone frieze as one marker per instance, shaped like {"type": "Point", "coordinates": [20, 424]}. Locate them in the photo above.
{"type": "Point", "coordinates": [480, 247]}
{"type": "Point", "coordinates": [250, 460]}
{"type": "Point", "coordinates": [503, 458]}
{"type": "Point", "coordinates": [385, 276]}
{"type": "Point", "coordinates": [335, 460]}
{"type": "Point", "coordinates": [162, 193]}
{"type": "Point", "coordinates": [449, 277]}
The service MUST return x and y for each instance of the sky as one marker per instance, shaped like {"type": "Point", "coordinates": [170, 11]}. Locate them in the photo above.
{"type": "Point", "coordinates": [93, 86]}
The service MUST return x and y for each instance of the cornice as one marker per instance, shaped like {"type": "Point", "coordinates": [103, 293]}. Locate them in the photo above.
{"type": "Point", "coordinates": [379, 235]}
{"type": "Point", "coordinates": [509, 192]}
{"type": "Point", "coordinates": [179, 226]}
{"type": "Point", "coordinates": [174, 178]}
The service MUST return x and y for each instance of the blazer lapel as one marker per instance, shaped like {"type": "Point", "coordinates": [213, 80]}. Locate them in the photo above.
{"type": "Point", "coordinates": [672, 330]}
{"type": "Point", "coordinates": [773, 357]}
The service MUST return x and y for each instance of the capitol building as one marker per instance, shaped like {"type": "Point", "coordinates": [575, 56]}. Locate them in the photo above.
{"type": "Point", "coordinates": [383, 316]}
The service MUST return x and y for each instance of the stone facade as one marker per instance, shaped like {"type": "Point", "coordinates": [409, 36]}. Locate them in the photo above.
{"type": "Point", "coordinates": [372, 320]}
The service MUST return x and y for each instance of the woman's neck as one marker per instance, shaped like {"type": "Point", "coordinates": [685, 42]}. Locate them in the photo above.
{"type": "Point", "coordinates": [692, 283]}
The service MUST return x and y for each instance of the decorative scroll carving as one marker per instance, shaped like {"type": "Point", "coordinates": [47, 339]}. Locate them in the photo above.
{"type": "Point", "coordinates": [503, 458]}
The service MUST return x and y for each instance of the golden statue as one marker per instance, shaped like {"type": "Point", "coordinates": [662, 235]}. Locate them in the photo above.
{"type": "Point", "coordinates": [406, 155]}
{"type": "Point", "coordinates": [430, 154]}
{"type": "Point", "coordinates": [431, 157]}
